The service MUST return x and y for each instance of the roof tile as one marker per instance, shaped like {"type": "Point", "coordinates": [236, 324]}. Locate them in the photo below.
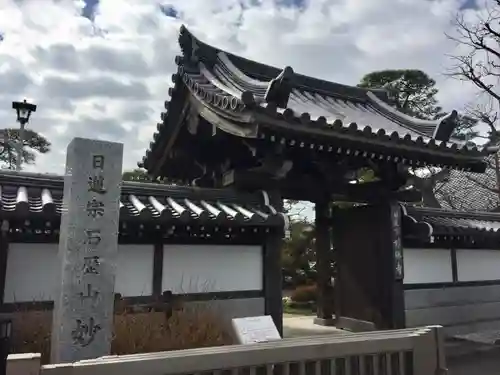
{"type": "Point", "coordinates": [28, 196]}
{"type": "Point", "coordinates": [449, 222]}
{"type": "Point", "coordinates": [235, 86]}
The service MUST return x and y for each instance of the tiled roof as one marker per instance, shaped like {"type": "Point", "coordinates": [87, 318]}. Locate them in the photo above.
{"type": "Point", "coordinates": [27, 196]}
{"type": "Point", "coordinates": [449, 222]}
{"type": "Point", "coordinates": [469, 191]}
{"type": "Point", "coordinates": [236, 89]}
{"type": "Point", "coordinates": [225, 83]}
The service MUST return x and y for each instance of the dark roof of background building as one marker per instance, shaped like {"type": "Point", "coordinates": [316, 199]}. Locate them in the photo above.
{"type": "Point", "coordinates": [467, 191]}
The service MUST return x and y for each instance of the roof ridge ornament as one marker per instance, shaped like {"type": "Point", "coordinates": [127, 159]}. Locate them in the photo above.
{"type": "Point", "coordinates": [421, 228]}
{"type": "Point", "coordinates": [248, 99]}
{"type": "Point", "coordinates": [279, 88]}
{"type": "Point", "coordinates": [189, 44]}
{"type": "Point", "coordinates": [447, 125]}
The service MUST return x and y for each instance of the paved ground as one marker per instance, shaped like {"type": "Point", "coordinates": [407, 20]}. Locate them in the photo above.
{"type": "Point", "coordinates": [298, 325]}
{"type": "Point", "coordinates": [484, 362]}
{"type": "Point", "coordinates": [463, 358]}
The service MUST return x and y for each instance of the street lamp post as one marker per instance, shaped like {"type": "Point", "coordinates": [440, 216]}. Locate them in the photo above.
{"type": "Point", "coordinates": [23, 111]}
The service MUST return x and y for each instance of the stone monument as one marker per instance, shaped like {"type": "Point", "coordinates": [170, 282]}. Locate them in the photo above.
{"type": "Point", "coordinates": [88, 245]}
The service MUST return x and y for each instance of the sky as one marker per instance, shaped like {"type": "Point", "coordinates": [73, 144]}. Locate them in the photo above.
{"type": "Point", "coordinates": [102, 68]}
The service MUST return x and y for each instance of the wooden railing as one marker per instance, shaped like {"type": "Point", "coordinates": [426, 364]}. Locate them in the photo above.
{"type": "Point", "coordinates": [401, 352]}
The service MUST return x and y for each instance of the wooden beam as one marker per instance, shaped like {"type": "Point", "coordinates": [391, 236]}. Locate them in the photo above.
{"type": "Point", "coordinates": [310, 188]}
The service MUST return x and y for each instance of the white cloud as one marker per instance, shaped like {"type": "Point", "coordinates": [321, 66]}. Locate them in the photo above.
{"type": "Point", "coordinates": [109, 78]}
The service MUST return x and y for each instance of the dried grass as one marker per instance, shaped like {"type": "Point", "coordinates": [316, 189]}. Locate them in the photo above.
{"type": "Point", "coordinates": [31, 332]}
{"type": "Point", "coordinates": [153, 332]}
{"type": "Point", "coordinates": [142, 332]}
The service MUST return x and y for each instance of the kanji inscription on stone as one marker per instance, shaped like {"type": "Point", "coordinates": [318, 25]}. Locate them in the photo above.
{"type": "Point", "coordinates": [91, 265]}
{"type": "Point", "coordinates": [88, 245]}
{"type": "Point", "coordinates": [89, 293]}
{"type": "Point", "coordinates": [84, 333]}
{"type": "Point", "coordinates": [98, 162]}
{"type": "Point", "coordinates": [95, 208]}
{"type": "Point", "coordinates": [96, 184]}
{"type": "Point", "coordinates": [92, 237]}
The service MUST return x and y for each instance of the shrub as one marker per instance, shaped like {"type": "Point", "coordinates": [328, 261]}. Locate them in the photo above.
{"type": "Point", "coordinates": [286, 301]}
{"type": "Point", "coordinates": [142, 332]}
{"type": "Point", "coordinates": [304, 293]}
{"type": "Point", "coordinates": [31, 332]}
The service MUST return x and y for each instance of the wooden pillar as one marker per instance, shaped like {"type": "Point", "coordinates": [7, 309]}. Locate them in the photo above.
{"type": "Point", "coordinates": [454, 264]}
{"type": "Point", "coordinates": [273, 284]}
{"type": "Point", "coordinates": [273, 280]}
{"type": "Point", "coordinates": [4, 251]}
{"type": "Point", "coordinates": [157, 268]}
{"type": "Point", "coordinates": [323, 264]}
{"type": "Point", "coordinates": [336, 256]}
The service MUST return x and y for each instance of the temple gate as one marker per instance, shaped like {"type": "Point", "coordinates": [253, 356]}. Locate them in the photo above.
{"type": "Point", "coordinates": [239, 124]}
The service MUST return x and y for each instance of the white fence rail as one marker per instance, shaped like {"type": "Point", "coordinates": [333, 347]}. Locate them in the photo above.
{"type": "Point", "coordinates": [417, 351]}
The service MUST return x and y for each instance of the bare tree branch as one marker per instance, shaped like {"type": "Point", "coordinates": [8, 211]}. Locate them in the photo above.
{"type": "Point", "coordinates": [480, 65]}
{"type": "Point", "coordinates": [486, 113]}
{"type": "Point", "coordinates": [478, 62]}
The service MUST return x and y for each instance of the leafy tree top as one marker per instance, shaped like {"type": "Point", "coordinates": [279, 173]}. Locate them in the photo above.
{"type": "Point", "coordinates": [137, 174]}
{"type": "Point", "coordinates": [33, 143]}
{"type": "Point", "coordinates": [411, 91]}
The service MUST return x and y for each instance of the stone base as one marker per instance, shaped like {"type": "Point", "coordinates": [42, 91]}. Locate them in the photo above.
{"type": "Point", "coordinates": [355, 325]}
{"type": "Point", "coordinates": [330, 322]}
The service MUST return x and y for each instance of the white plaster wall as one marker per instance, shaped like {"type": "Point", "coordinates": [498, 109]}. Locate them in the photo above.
{"type": "Point", "coordinates": [32, 271]}
{"type": "Point", "coordinates": [474, 265]}
{"type": "Point", "coordinates": [427, 266]}
{"type": "Point", "coordinates": [134, 274]}
{"type": "Point", "coordinates": [211, 268]}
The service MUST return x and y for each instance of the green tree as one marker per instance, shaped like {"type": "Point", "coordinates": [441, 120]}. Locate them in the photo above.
{"type": "Point", "coordinates": [411, 91]}
{"type": "Point", "coordinates": [33, 143]}
{"type": "Point", "coordinates": [298, 253]}
{"type": "Point", "coordinates": [137, 174]}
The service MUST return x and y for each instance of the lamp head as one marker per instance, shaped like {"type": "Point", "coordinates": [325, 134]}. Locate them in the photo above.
{"type": "Point", "coordinates": [23, 111]}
